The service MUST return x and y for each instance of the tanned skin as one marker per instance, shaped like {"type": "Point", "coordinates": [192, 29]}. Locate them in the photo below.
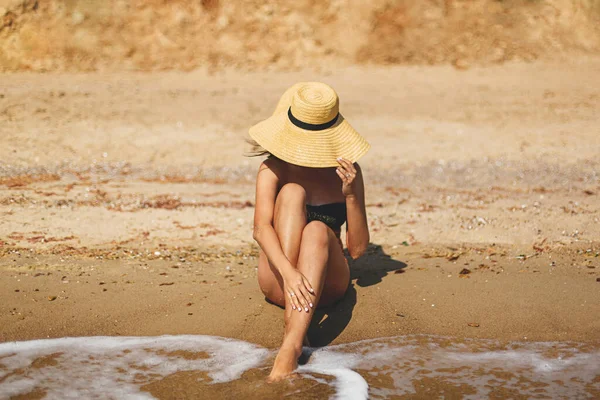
{"type": "Point", "coordinates": [302, 265]}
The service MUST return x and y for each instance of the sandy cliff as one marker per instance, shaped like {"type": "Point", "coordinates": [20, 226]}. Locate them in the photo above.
{"type": "Point", "coordinates": [147, 35]}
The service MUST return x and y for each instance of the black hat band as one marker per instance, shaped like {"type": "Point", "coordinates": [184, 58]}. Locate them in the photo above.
{"type": "Point", "coordinates": [311, 127]}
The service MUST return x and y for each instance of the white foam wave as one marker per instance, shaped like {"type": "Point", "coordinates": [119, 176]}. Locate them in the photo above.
{"type": "Point", "coordinates": [117, 367]}
{"type": "Point", "coordinates": [349, 384]}
{"type": "Point", "coordinates": [557, 370]}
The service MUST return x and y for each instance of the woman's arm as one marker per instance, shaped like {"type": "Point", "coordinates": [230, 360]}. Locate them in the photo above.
{"type": "Point", "coordinates": [357, 234]}
{"type": "Point", "coordinates": [264, 233]}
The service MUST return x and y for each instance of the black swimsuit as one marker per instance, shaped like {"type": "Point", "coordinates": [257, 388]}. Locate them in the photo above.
{"type": "Point", "coordinates": [331, 214]}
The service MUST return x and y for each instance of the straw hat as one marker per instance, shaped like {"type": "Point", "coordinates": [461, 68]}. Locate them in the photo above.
{"type": "Point", "coordinates": [307, 129]}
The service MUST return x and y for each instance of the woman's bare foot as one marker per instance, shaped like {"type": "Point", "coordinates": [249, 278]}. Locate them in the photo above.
{"type": "Point", "coordinates": [285, 363]}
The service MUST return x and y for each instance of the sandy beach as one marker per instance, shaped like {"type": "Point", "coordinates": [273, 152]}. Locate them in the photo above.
{"type": "Point", "coordinates": [126, 204]}
{"type": "Point", "coordinates": [127, 264]}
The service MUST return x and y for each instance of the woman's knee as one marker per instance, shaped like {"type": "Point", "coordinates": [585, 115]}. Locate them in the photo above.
{"type": "Point", "coordinates": [317, 233]}
{"type": "Point", "coordinates": [292, 192]}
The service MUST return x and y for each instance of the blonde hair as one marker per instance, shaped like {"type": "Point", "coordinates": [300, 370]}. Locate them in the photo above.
{"type": "Point", "coordinates": [256, 150]}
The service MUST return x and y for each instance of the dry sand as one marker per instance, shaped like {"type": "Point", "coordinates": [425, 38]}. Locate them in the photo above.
{"type": "Point", "coordinates": [126, 205]}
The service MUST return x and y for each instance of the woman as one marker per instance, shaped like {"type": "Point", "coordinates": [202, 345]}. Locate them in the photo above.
{"type": "Point", "coordinates": [305, 190]}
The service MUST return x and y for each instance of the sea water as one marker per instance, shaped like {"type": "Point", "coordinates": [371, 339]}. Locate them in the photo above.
{"type": "Point", "coordinates": [213, 367]}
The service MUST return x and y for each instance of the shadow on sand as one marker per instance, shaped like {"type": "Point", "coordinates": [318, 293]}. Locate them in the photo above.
{"type": "Point", "coordinates": [329, 322]}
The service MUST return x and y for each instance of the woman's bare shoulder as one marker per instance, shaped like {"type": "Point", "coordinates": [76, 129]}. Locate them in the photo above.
{"type": "Point", "coordinates": [274, 166]}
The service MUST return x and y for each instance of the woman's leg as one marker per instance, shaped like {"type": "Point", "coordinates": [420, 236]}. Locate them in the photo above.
{"type": "Point", "coordinates": [289, 220]}
{"type": "Point", "coordinates": [320, 259]}
{"type": "Point", "coordinates": [323, 265]}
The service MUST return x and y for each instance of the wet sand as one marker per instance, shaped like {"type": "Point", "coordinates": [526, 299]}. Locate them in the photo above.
{"type": "Point", "coordinates": [126, 208]}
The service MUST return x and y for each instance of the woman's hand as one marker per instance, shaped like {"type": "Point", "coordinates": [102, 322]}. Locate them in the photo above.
{"type": "Point", "coordinates": [347, 174]}
{"type": "Point", "coordinates": [298, 290]}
